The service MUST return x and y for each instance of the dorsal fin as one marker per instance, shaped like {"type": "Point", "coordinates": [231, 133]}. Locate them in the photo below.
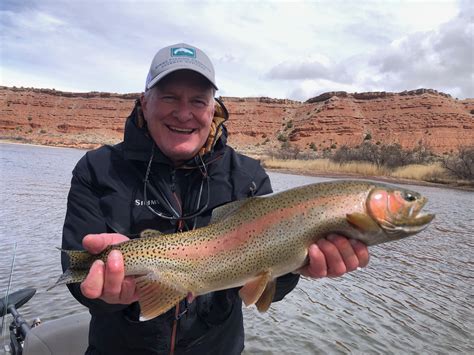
{"type": "Point", "coordinates": [222, 212]}
{"type": "Point", "coordinates": [149, 233]}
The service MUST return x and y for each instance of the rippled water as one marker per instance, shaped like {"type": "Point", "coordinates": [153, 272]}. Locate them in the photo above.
{"type": "Point", "coordinates": [415, 297]}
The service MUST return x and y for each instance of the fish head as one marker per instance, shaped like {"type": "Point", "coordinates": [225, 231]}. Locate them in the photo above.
{"type": "Point", "coordinates": [398, 211]}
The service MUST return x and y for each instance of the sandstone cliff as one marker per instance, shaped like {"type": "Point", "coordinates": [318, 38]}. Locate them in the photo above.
{"type": "Point", "coordinates": [333, 119]}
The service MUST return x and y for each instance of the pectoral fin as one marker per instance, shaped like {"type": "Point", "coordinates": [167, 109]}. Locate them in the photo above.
{"type": "Point", "coordinates": [156, 297]}
{"type": "Point", "coordinates": [265, 300]}
{"type": "Point", "coordinates": [362, 222]}
{"type": "Point", "coordinates": [252, 290]}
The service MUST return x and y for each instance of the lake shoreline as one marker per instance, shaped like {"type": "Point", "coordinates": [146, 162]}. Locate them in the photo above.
{"type": "Point", "coordinates": [334, 175]}
{"type": "Point", "coordinates": [386, 179]}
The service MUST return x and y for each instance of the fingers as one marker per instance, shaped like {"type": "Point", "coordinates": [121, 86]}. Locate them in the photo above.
{"type": "Point", "coordinates": [93, 284]}
{"type": "Point", "coordinates": [317, 263]}
{"type": "Point", "coordinates": [361, 251]}
{"type": "Point", "coordinates": [128, 292]}
{"type": "Point", "coordinates": [342, 259]}
{"type": "Point", "coordinates": [96, 243]}
{"type": "Point", "coordinates": [335, 256]}
{"type": "Point", "coordinates": [114, 275]}
{"type": "Point", "coordinates": [107, 281]}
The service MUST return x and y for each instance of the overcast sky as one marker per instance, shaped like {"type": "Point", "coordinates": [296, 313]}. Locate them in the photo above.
{"type": "Point", "coordinates": [294, 50]}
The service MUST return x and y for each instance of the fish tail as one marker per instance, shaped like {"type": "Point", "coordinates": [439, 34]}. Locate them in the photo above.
{"type": "Point", "coordinates": [70, 276]}
{"type": "Point", "coordinates": [80, 262]}
{"type": "Point", "coordinates": [79, 259]}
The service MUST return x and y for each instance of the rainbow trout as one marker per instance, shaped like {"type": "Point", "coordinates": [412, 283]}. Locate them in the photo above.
{"type": "Point", "coordinates": [251, 242]}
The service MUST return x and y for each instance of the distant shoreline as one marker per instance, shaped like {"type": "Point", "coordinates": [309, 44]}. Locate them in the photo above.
{"type": "Point", "coordinates": [11, 141]}
{"type": "Point", "coordinates": [386, 179]}
{"type": "Point", "coordinates": [332, 175]}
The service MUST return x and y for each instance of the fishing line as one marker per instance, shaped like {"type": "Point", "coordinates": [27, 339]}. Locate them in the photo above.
{"type": "Point", "coordinates": [7, 293]}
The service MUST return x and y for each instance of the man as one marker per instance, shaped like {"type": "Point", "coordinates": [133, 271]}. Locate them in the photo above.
{"type": "Point", "coordinates": [172, 169]}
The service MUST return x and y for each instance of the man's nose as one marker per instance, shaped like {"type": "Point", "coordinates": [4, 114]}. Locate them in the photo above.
{"type": "Point", "coordinates": [183, 111]}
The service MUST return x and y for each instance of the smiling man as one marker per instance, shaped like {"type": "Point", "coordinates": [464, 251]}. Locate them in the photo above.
{"type": "Point", "coordinates": [171, 170]}
{"type": "Point", "coordinates": [179, 111]}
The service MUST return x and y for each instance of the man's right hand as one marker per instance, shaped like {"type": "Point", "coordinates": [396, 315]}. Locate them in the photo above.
{"type": "Point", "coordinates": [108, 281]}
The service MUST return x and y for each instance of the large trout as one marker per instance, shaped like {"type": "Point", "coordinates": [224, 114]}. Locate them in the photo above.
{"type": "Point", "coordinates": [251, 242]}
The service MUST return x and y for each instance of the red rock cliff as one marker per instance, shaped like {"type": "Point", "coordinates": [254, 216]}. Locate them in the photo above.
{"type": "Point", "coordinates": [333, 119]}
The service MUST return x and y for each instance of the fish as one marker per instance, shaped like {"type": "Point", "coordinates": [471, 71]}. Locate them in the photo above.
{"type": "Point", "coordinates": [251, 242]}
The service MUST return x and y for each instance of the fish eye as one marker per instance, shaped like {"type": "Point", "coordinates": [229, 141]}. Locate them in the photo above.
{"type": "Point", "coordinates": [408, 196]}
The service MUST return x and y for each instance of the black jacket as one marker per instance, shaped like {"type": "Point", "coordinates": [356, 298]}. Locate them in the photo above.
{"type": "Point", "coordinates": [106, 196]}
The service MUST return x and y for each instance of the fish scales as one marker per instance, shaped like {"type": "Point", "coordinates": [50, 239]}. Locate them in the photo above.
{"type": "Point", "coordinates": [265, 237]}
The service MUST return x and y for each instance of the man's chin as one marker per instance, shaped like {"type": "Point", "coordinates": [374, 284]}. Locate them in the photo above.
{"type": "Point", "coordinates": [182, 155]}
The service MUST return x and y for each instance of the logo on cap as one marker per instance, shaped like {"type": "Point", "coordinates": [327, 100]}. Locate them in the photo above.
{"type": "Point", "coordinates": [183, 52]}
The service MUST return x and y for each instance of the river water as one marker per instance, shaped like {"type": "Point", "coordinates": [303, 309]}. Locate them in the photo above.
{"type": "Point", "coordinates": [415, 297]}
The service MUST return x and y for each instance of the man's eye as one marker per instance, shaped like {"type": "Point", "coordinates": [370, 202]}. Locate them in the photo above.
{"type": "Point", "coordinates": [168, 98]}
{"type": "Point", "coordinates": [199, 103]}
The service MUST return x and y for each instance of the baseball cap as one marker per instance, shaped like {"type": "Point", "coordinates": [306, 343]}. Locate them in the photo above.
{"type": "Point", "coordinates": [176, 57]}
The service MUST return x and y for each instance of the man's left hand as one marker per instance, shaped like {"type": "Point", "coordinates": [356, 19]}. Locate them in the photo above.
{"type": "Point", "coordinates": [334, 256]}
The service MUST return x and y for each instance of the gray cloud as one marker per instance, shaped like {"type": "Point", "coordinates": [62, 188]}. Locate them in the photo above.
{"type": "Point", "coordinates": [441, 59]}
{"type": "Point", "coordinates": [299, 71]}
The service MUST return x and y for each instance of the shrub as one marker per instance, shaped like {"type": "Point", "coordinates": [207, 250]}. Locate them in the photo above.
{"type": "Point", "coordinates": [460, 164]}
{"type": "Point", "coordinates": [389, 156]}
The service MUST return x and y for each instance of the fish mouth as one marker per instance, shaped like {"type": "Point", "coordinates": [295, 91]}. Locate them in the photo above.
{"type": "Point", "coordinates": [415, 217]}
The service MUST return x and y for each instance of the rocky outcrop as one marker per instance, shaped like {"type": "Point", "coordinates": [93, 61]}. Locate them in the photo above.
{"type": "Point", "coordinates": [328, 121]}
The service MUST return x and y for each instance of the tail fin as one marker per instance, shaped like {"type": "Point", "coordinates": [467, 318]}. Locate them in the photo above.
{"type": "Point", "coordinates": [79, 259]}
{"type": "Point", "coordinates": [79, 263]}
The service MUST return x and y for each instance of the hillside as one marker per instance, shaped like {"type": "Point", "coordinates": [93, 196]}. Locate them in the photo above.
{"type": "Point", "coordinates": [87, 120]}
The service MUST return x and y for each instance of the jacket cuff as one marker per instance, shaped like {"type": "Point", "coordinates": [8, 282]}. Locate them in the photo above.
{"type": "Point", "coordinates": [285, 284]}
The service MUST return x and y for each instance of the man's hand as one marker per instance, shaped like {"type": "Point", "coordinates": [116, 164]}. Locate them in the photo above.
{"type": "Point", "coordinates": [334, 256]}
{"type": "Point", "coordinates": [107, 281]}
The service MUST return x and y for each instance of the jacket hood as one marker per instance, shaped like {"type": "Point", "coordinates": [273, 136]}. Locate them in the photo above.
{"type": "Point", "coordinates": [138, 144]}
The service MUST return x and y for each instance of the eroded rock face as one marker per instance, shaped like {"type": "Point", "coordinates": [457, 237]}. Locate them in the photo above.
{"type": "Point", "coordinates": [333, 119]}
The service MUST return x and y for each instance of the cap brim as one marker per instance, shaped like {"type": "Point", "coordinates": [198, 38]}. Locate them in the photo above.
{"type": "Point", "coordinates": [157, 78]}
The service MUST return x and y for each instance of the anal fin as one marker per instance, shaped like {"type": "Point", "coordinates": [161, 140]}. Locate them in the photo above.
{"type": "Point", "coordinates": [265, 300]}
{"type": "Point", "coordinates": [156, 297]}
{"type": "Point", "coordinates": [252, 290]}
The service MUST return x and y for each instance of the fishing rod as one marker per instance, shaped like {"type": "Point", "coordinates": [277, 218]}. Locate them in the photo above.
{"type": "Point", "coordinates": [9, 305]}
{"type": "Point", "coordinates": [4, 313]}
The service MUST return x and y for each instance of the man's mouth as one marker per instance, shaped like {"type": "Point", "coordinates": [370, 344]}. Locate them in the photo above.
{"type": "Point", "coordinates": [181, 130]}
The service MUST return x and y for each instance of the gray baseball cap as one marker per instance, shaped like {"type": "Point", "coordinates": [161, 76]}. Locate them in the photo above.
{"type": "Point", "coordinates": [176, 57]}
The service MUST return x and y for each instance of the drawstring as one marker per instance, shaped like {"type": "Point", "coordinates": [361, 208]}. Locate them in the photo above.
{"type": "Point", "coordinates": [203, 170]}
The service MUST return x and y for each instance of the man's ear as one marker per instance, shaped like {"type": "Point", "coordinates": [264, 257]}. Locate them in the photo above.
{"type": "Point", "coordinates": [213, 110]}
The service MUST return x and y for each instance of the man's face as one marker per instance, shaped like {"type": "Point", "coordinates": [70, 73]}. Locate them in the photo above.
{"type": "Point", "coordinates": [179, 112]}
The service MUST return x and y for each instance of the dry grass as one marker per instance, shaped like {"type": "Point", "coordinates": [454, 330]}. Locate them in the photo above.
{"type": "Point", "coordinates": [325, 166]}
{"type": "Point", "coordinates": [432, 172]}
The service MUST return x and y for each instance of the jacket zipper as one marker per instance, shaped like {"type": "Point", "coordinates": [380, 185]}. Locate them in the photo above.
{"type": "Point", "coordinates": [179, 229]}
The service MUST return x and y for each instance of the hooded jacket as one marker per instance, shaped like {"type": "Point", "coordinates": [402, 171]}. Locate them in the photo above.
{"type": "Point", "coordinates": [107, 196]}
